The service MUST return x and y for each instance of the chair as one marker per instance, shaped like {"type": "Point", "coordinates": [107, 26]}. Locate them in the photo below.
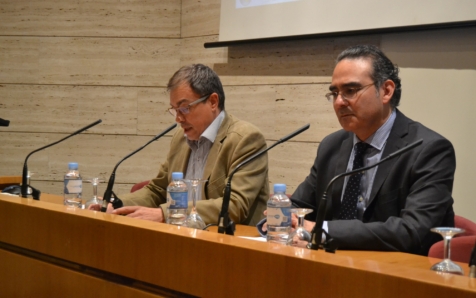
{"type": "Point", "coordinates": [139, 185]}
{"type": "Point", "coordinates": [461, 245]}
{"type": "Point", "coordinates": [6, 181]}
{"type": "Point", "coordinates": [464, 223]}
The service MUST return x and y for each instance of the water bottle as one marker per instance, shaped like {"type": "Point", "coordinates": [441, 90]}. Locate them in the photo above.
{"type": "Point", "coordinates": [177, 200]}
{"type": "Point", "coordinates": [279, 215]}
{"type": "Point", "coordinates": [73, 186]}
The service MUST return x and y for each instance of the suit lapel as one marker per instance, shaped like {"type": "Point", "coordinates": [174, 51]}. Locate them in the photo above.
{"type": "Point", "coordinates": [395, 141]}
{"type": "Point", "coordinates": [341, 167]}
{"type": "Point", "coordinates": [216, 147]}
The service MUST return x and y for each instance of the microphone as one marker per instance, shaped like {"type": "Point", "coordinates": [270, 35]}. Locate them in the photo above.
{"type": "Point", "coordinates": [317, 231]}
{"type": "Point", "coordinates": [225, 225]}
{"type": "Point", "coordinates": [108, 194]}
{"type": "Point", "coordinates": [24, 186]}
{"type": "Point", "coordinates": [4, 122]}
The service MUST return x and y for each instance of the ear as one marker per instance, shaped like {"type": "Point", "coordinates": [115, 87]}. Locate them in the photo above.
{"type": "Point", "coordinates": [387, 89]}
{"type": "Point", "coordinates": [213, 99]}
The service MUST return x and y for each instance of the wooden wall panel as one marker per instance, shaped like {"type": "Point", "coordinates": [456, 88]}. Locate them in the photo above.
{"type": "Point", "coordinates": [290, 162]}
{"type": "Point", "coordinates": [193, 51]}
{"type": "Point", "coordinates": [132, 18]}
{"type": "Point", "coordinates": [255, 104]}
{"type": "Point", "coordinates": [153, 116]}
{"type": "Point", "coordinates": [65, 109]}
{"type": "Point", "coordinates": [297, 105]}
{"type": "Point", "coordinates": [88, 61]}
{"type": "Point", "coordinates": [200, 18]}
{"type": "Point", "coordinates": [19, 60]}
{"type": "Point", "coordinates": [289, 62]}
{"type": "Point", "coordinates": [112, 61]}
{"type": "Point", "coordinates": [96, 154]}
{"type": "Point", "coordinates": [14, 148]}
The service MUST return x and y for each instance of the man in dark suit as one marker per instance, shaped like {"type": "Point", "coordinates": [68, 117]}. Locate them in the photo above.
{"type": "Point", "coordinates": [393, 206]}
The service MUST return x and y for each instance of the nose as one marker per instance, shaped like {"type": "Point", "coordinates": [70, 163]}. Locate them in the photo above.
{"type": "Point", "coordinates": [179, 118]}
{"type": "Point", "coordinates": [340, 101]}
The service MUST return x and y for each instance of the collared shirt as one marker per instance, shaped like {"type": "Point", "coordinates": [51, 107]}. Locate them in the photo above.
{"type": "Point", "coordinates": [201, 148]}
{"type": "Point", "coordinates": [373, 155]}
{"type": "Point", "coordinates": [378, 141]}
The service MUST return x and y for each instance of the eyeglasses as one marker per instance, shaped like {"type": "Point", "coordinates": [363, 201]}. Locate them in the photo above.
{"type": "Point", "coordinates": [348, 93]}
{"type": "Point", "coordinates": [186, 109]}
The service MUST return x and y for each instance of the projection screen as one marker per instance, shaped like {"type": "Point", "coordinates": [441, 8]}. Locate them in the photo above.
{"type": "Point", "coordinates": [261, 19]}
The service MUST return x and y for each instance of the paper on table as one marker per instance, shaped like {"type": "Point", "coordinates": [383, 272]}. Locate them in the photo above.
{"type": "Point", "coordinates": [262, 239]}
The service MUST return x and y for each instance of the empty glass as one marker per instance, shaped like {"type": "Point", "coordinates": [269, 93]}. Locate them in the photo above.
{"type": "Point", "coordinates": [299, 237]}
{"type": "Point", "coordinates": [195, 194]}
{"type": "Point", "coordinates": [28, 176]}
{"type": "Point", "coordinates": [95, 199]}
{"type": "Point", "coordinates": [447, 266]}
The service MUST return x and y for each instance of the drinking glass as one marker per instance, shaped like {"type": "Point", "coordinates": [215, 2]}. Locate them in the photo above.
{"type": "Point", "coordinates": [299, 237]}
{"type": "Point", "coordinates": [447, 266]}
{"type": "Point", "coordinates": [95, 199]}
{"type": "Point", "coordinates": [194, 220]}
{"type": "Point", "coordinates": [28, 176]}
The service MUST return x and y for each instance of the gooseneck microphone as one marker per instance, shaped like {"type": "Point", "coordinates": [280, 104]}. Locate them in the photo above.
{"type": "Point", "coordinates": [317, 231]}
{"type": "Point", "coordinates": [4, 122]}
{"type": "Point", "coordinates": [472, 263]}
{"type": "Point", "coordinates": [108, 194]}
{"type": "Point", "coordinates": [36, 193]}
{"type": "Point", "coordinates": [225, 225]}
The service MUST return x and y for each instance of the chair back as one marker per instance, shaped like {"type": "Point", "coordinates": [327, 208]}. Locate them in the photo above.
{"type": "Point", "coordinates": [460, 249]}
{"type": "Point", "coordinates": [466, 224]}
{"type": "Point", "coordinates": [461, 245]}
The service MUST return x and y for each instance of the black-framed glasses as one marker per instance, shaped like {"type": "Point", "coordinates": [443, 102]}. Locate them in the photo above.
{"type": "Point", "coordinates": [347, 93]}
{"type": "Point", "coordinates": [186, 109]}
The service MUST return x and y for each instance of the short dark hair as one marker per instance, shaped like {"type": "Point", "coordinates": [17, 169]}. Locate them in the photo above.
{"type": "Point", "coordinates": [202, 79]}
{"type": "Point", "coordinates": [383, 68]}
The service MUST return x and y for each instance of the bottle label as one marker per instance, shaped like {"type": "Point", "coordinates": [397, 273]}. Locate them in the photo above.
{"type": "Point", "coordinates": [73, 186]}
{"type": "Point", "coordinates": [280, 216]}
{"type": "Point", "coordinates": [178, 200]}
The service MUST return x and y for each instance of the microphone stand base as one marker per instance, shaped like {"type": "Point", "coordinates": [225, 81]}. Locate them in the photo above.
{"type": "Point", "coordinates": [228, 229]}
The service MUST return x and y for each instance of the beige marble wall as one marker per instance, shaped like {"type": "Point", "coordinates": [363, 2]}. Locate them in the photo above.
{"type": "Point", "coordinates": [65, 64]}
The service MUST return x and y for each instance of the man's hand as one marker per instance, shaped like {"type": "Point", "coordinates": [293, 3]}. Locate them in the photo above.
{"type": "Point", "coordinates": [97, 207]}
{"type": "Point", "coordinates": [154, 214]}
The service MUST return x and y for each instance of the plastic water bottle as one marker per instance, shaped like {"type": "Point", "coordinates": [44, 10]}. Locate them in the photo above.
{"type": "Point", "coordinates": [177, 200]}
{"type": "Point", "coordinates": [279, 215]}
{"type": "Point", "coordinates": [73, 186]}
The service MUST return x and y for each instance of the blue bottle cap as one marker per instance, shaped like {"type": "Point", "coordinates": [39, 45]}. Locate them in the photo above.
{"type": "Point", "coordinates": [73, 165]}
{"type": "Point", "coordinates": [279, 187]}
{"type": "Point", "coordinates": [177, 175]}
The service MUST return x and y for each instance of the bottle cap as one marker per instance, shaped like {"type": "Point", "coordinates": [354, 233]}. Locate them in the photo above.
{"type": "Point", "coordinates": [177, 175]}
{"type": "Point", "coordinates": [278, 187]}
{"type": "Point", "coordinates": [73, 165]}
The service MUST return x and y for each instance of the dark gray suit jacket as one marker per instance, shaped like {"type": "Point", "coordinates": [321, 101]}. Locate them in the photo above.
{"type": "Point", "coordinates": [411, 193]}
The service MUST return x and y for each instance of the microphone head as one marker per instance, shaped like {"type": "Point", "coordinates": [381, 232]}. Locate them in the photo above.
{"type": "Point", "coordinates": [4, 122]}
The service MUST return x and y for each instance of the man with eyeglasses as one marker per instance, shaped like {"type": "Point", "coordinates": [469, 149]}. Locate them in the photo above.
{"type": "Point", "coordinates": [209, 145]}
{"type": "Point", "coordinates": [391, 207]}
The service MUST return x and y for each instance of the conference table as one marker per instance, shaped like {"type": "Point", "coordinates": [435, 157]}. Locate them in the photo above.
{"type": "Point", "coordinates": [51, 250]}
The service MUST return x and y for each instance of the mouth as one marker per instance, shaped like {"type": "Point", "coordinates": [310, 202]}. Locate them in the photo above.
{"type": "Point", "coordinates": [344, 114]}
{"type": "Point", "coordinates": [186, 129]}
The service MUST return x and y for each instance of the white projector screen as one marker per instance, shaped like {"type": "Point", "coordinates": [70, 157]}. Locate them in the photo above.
{"type": "Point", "coordinates": [261, 19]}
